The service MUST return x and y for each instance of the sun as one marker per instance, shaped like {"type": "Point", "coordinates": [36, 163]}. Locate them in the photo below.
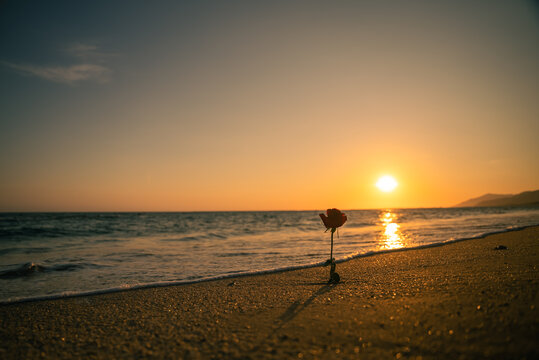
{"type": "Point", "coordinates": [386, 183]}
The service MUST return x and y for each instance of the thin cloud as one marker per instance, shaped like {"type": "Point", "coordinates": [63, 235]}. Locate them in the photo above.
{"type": "Point", "coordinates": [88, 52]}
{"type": "Point", "coordinates": [65, 74]}
{"type": "Point", "coordinates": [92, 67]}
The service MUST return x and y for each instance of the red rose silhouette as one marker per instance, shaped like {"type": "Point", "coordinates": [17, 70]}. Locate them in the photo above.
{"type": "Point", "coordinates": [334, 219]}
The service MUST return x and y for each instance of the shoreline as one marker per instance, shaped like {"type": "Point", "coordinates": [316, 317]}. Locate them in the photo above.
{"type": "Point", "coordinates": [460, 300]}
{"type": "Point", "coordinates": [68, 295]}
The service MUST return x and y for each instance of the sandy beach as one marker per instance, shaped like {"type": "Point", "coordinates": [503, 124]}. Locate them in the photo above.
{"type": "Point", "coordinates": [462, 300]}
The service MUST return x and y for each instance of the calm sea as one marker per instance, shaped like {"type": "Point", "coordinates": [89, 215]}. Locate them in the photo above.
{"type": "Point", "coordinates": [58, 254]}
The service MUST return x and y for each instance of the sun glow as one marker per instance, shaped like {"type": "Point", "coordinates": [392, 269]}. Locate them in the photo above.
{"type": "Point", "coordinates": [386, 183]}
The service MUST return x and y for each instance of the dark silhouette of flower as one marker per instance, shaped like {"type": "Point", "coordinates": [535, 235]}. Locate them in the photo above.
{"type": "Point", "coordinates": [334, 219]}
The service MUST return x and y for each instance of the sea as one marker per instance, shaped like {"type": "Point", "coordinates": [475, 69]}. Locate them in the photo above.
{"type": "Point", "coordinates": [53, 255]}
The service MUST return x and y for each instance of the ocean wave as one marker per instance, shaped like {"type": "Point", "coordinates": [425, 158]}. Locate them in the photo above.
{"type": "Point", "coordinates": [31, 268]}
{"type": "Point", "coordinates": [197, 237]}
{"type": "Point", "coordinates": [22, 271]}
{"type": "Point", "coordinates": [183, 238]}
{"type": "Point", "coordinates": [23, 250]}
{"type": "Point", "coordinates": [143, 254]}
{"type": "Point", "coordinates": [239, 274]}
{"type": "Point", "coordinates": [32, 232]}
{"type": "Point", "coordinates": [218, 236]}
{"type": "Point", "coordinates": [166, 247]}
{"type": "Point", "coordinates": [235, 254]}
{"type": "Point", "coordinates": [53, 232]}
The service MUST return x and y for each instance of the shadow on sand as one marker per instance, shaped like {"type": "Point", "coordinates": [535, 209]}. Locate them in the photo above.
{"type": "Point", "coordinates": [298, 306]}
{"type": "Point", "coordinates": [293, 310]}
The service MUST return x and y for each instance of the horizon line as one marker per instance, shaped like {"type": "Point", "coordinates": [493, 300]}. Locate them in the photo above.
{"type": "Point", "coordinates": [217, 211]}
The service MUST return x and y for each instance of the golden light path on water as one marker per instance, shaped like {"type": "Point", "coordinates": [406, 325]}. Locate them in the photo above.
{"type": "Point", "coordinates": [391, 237]}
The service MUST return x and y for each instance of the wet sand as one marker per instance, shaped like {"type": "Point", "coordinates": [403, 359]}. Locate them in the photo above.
{"type": "Point", "coordinates": [462, 300]}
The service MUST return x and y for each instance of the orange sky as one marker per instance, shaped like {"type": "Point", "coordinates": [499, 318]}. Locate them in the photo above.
{"type": "Point", "coordinates": [181, 107]}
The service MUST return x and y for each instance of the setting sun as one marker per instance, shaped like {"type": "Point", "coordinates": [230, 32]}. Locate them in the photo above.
{"type": "Point", "coordinates": [386, 183]}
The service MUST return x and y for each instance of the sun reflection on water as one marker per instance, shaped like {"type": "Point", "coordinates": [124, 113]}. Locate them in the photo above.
{"type": "Point", "coordinates": [391, 237]}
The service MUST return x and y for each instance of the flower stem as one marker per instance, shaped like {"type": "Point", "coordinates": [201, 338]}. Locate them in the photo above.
{"type": "Point", "coordinates": [331, 253]}
{"type": "Point", "coordinates": [331, 262]}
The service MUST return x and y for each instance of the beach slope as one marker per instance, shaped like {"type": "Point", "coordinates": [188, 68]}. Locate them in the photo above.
{"type": "Point", "coordinates": [461, 300]}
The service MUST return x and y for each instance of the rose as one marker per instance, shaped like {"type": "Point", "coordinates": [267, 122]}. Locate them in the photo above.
{"type": "Point", "coordinates": [334, 219]}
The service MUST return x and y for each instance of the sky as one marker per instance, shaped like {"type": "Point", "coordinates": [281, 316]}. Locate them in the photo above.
{"type": "Point", "coordinates": [265, 105]}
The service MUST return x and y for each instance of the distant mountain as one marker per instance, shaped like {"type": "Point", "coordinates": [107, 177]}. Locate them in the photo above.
{"type": "Point", "coordinates": [523, 199]}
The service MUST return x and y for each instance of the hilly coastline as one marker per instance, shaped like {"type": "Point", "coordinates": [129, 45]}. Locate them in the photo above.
{"type": "Point", "coordinates": [526, 198]}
